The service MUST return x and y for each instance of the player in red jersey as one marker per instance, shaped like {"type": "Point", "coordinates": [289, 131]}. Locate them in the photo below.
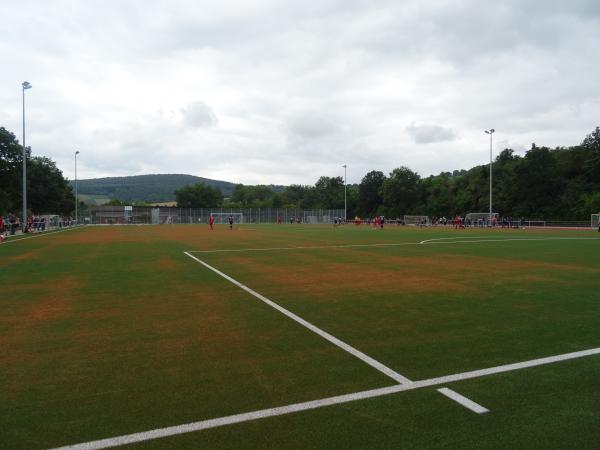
{"type": "Point", "coordinates": [211, 221]}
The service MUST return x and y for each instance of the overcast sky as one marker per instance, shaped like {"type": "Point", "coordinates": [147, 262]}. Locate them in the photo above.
{"type": "Point", "coordinates": [282, 92]}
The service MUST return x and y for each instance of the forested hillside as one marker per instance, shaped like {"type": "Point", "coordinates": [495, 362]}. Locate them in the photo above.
{"type": "Point", "coordinates": [147, 188]}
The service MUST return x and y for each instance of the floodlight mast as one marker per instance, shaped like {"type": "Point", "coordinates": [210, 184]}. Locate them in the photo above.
{"type": "Point", "coordinates": [76, 199]}
{"type": "Point", "coordinates": [490, 132]}
{"type": "Point", "coordinates": [345, 184]}
{"type": "Point", "coordinates": [26, 85]}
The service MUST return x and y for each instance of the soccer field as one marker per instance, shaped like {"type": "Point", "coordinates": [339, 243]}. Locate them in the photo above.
{"type": "Point", "coordinates": [300, 336]}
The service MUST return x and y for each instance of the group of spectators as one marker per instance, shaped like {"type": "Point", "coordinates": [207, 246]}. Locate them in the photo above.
{"type": "Point", "coordinates": [11, 223]}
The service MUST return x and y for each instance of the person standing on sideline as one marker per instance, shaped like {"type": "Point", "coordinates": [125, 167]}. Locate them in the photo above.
{"type": "Point", "coordinates": [211, 221]}
{"type": "Point", "coordinates": [231, 222]}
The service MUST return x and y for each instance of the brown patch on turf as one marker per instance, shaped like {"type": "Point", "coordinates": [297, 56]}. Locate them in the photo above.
{"type": "Point", "coordinates": [166, 264]}
{"type": "Point", "coordinates": [323, 277]}
{"type": "Point", "coordinates": [360, 271]}
{"type": "Point", "coordinates": [55, 304]}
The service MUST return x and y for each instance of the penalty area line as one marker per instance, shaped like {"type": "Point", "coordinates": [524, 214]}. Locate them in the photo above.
{"type": "Point", "coordinates": [467, 240]}
{"type": "Point", "coordinates": [464, 401]}
{"type": "Point", "coordinates": [341, 344]}
{"type": "Point", "coordinates": [314, 404]}
{"type": "Point", "coordinates": [456, 240]}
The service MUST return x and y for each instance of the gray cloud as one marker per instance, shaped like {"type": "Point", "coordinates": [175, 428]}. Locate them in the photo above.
{"type": "Point", "coordinates": [427, 134]}
{"type": "Point", "coordinates": [199, 115]}
{"type": "Point", "coordinates": [311, 126]}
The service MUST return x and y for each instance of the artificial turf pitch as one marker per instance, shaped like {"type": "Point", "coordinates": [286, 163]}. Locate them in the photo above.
{"type": "Point", "coordinates": [108, 331]}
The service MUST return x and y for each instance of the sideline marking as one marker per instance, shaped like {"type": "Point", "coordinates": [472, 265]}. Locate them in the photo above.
{"type": "Point", "coordinates": [304, 406]}
{"type": "Point", "coordinates": [42, 234]}
{"type": "Point", "coordinates": [464, 401]}
{"type": "Point", "coordinates": [348, 348]}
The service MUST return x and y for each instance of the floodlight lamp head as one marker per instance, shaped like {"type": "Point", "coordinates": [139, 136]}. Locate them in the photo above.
{"type": "Point", "coordinates": [77, 152]}
{"type": "Point", "coordinates": [26, 85]}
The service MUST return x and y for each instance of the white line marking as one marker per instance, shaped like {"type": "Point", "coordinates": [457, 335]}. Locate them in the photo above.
{"type": "Point", "coordinates": [304, 406]}
{"type": "Point", "coordinates": [42, 234]}
{"type": "Point", "coordinates": [387, 244]}
{"type": "Point", "coordinates": [477, 240]}
{"type": "Point", "coordinates": [469, 404]}
{"type": "Point", "coordinates": [348, 348]}
{"type": "Point", "coordinates": [312, 247]}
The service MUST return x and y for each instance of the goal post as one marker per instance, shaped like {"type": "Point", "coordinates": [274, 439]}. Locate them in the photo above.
{"type": "Point", "coordinates": [595, 222]}
{"type": "Point", "coordinates": [480, 219]}
{"type": "Point", "coordinates": [416, 220]}
{"type": "Point", "coordinates": [221, 217]}
{"type": "Point", "coordinates": [533, 223]}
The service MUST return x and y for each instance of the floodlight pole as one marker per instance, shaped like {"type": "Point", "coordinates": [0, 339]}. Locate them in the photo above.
{"type": "Point", "coordinates": [490, 132]}
{"type": "Point", "coordinates": [345, 184]}
{"type": "Point", "coordinates": [76, 199]}
{"type": "Point", "coordinates": [25, 85]}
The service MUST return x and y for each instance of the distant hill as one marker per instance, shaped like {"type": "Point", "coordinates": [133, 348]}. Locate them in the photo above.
{"type": "Point", "coordinates": [147, 188]}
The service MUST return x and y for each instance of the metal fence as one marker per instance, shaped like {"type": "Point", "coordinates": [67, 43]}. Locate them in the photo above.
{"type": "Point", "coordinates": [112, 215]}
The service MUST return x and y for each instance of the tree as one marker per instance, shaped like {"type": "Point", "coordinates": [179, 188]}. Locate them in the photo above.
{"type": "Point", "coordinates": [11, 160]}
{"type": "Point", "coordinates": [330, 192]}
{"type": "Point", "coordinates": [369, 192]}
{"type": "Point", "coordinates": [592, 140]}
{"type": "Point", "coordinates": [400, 192]}
{"type": "Point", "coordinates": [198, 196]}
{"type": "Point", "coordinates": [47, 189]}
{"type": "Point", "coordinates": [253, 196]}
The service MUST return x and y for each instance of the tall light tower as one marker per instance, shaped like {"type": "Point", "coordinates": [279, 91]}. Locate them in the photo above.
{"type": "Point", "coordinates": [345, 207]}
{"type": "Point", "coordinates": [26, 85]}
{"type": "Point", "coordinates": [490, 132]}
{"type": "Point", "coordinates": [76, 199]}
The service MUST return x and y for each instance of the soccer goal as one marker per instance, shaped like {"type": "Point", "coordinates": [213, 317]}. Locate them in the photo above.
{"type": "Point", "coordinates": [417, 220]}
{"type": "Point", "coordinates": [533, 223]}
{"type": "Point", "coordinates": [222, 217]}
{"type": "Point", "coordinates": [595, 220]}
{"type": "Point", "coordinates": [480, 219]}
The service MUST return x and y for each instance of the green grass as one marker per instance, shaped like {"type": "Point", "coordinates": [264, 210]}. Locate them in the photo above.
{"type": "Point", "coordinates": [110, 331]}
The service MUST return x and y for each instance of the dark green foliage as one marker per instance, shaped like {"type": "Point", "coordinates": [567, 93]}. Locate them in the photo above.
{"type": "Point", "coordinates": [47, 189]}
{"type": "Point", "coordinates": [10, 171]}
{"type": "Point", "coordinates": [369, 192]}
{"type": "Point", "coordinates": [198, 196]}
{"type": "Point", "coordinates": [400, 192]}
{"type": "Point", "coordinates": [330, 192]}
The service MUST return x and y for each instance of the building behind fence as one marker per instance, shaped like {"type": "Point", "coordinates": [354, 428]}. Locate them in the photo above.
{"type": "Point", "coordinates": [112, 215]}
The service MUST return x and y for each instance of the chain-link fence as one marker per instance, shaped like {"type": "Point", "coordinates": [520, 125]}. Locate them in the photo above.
{"type": "Point", "coordinates": [110, 215]}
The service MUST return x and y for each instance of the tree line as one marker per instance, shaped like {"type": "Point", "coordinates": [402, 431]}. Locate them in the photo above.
{"type": "Point", "coordinates": [47, 190]}
{"type": "Point", "coordinates": [545, 183]}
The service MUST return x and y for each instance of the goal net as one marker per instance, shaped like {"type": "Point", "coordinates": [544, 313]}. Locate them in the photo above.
{"type": "Point", "coordinates": [224, 217]}
{"type": "Point", "coordinates": [533, 223]}
{"type": "Point", "coordinates": [480, 219]}
{"type": "Point", "coordinates": [595, 220]}
{"type": "Point", "coordinates": [416, 220]}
